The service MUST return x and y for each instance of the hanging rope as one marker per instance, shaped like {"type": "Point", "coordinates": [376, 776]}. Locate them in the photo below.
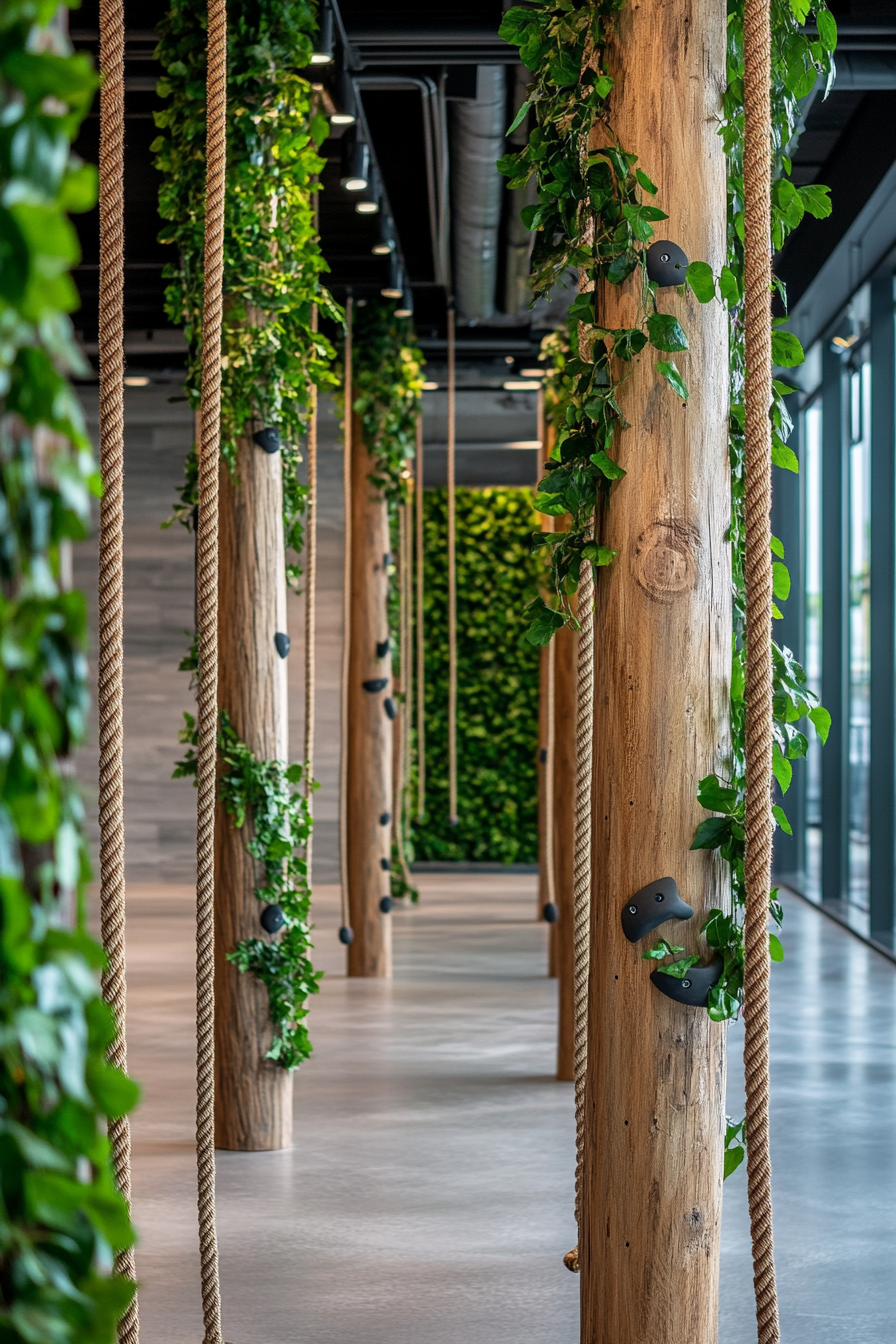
{"type": "Point", "coordinates": [111, 588]}
{"type": "Point", "coordinates": [452, 584]}
{"type": "Point", "coordinates": [582, 875]}
{"type": "Point", "coordinates": [310, 598]}
{"type": "Point", "coordinates": [421, 707]}
{"type": "Point", "coordinates": [400, 773]}
{"type": "Point", "coordinates": [759, 691]}
{"type": "Point", "coordinates": [346, 623]}
{"type": "Point", "coordinates": [207, 695]}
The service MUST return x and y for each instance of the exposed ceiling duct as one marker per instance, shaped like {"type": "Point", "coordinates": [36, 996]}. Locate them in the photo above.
{"type": "Point", "coordinates": [519, 239]}
{"type": "Point", "coordinates": [477, 142]}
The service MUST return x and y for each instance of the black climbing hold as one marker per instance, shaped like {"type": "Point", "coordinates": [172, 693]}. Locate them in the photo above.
{"type": "Point", "coordinates": [382, 648]}
{"type": "Point", "coordinates": [390, 708]}
{"type": "Point", "coordinates": [543, 756]}
{"type": "Point", "coordinates": [375, 684]}
{"type": "Point", "coordinates": [281, 643]}
{"type": "Point", "coordinates": [272, 918]}
{"type": "Point", "coordinates": [345, 935]}
{"type": "Point", "coordinates": [652, 906]}
{"type": "Point", "coordinates": [268, 439]}
{"type": "Point", "coordinates": [693, 989]}
{"type": "Point", "coordinates": [387, 559]}
{"type": "Point", "coordinates": [385, 865]}
{"type": "Point", "coordinates": [550, 914]}
{"type": "Point", "coordinates": [666, 264]}
{"type": "Point", "coordinates": [386, 904]}
{"type": "Point", "coordinates": [385, 818]}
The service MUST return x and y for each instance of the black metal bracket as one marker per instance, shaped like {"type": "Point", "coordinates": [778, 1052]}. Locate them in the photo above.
{"type": "Point", "coordinates": [693, 988]}
{"type": "Point", "coordinates": [652, 906]}
{"type": "Point", "coordinates": [667, 264]}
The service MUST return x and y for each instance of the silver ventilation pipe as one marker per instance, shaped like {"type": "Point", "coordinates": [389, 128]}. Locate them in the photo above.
{"type": "Point", "coordinates": [519, 239]}
{"type": "Point", "coordinates": [477, 142]}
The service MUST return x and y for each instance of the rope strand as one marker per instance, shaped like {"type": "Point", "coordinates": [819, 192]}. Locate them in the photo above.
{"type": "Point", "coordinates": [207, 695]}
{"type": "Point", "coordinates": [111, 590]}
{"type": "Point", "coordinates": [310, 605]}
{"type": "Point", "coordinates": [452, 584]}
{"type": "Point", "coordinates": [759, 686]}
{"type": "Point", "coordinates": [346, 621]}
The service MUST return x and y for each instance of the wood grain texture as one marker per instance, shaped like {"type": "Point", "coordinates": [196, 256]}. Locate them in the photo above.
{"type": "Point", "coordinates": [566, 655]}
{"type": "Point", "coordinates": [649, 1245]}
{"type": "Point", "coordinates": [253, 1102]}
{"type": "Point", "coordinates": [369, 728]}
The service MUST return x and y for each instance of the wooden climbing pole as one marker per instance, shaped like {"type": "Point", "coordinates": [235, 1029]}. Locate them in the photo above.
{"type": "Point", "coordinates": [368, 796]}
{"type": "Point", "coordinates": [652, 1163]}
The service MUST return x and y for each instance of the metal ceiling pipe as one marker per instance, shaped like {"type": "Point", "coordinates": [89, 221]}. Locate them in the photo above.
{"type": "Point", "coordinates": [868, 70]}
{"type": "Point", "coordinates": [477, 142]}
{"type": "Point", "coordinates": [518, 239]}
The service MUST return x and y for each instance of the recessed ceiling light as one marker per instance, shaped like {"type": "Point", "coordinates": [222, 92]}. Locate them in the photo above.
{"type": "Point", "coordinates": [404, 312]}
{"type": "Point", "coordinates": [381, 249]}
{"type": "Point", "coordinates": [508, 359]}
{"type": "Point", "coordinates": [136, 382]}
{"type": "Point", "coordinates": [367, 208]}
{"type": "Point", "coordinates": [355, 183]}
{"type": "Point", "coordinates": [391, 293]}
{"type": "Point", "coordinates": [342, 119]}
{"type": "Point", "coordinates": [515, 385]}
{"type": "Point", "coordinates": [321, 58]}
{"type": "Point", "coordinates": [532, 373]}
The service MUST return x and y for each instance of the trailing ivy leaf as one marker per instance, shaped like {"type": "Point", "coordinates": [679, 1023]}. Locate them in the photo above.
{"type": "Point", "coordinates": [599, 555]}
{"type": "Point", "coordinates": [786, 350]}
{"type": "Point", "coordinates": [729, 287]}
{"type": "Point", "coordinates": [777, 548]}
{"type": "Point", "coordinates": [716, 796]}
{"type": "Point", "coordinates": [712, 833]}
{"type": "Point", "coordinates": [552, 505]}
{"type": "Point", "coordinates": [665, 332]}
{"type": "Point", "coordinates": [827, 27]}
{"type": "Point", "coordinates": [662, 949]}
{"type": "Point", "coordinates": [544, 622]}
{"type": "Point", "coordinates": [667, 368]}
{"type": "Point", "coordinates": [679, 968]}
{"type": "Point", "coordinates": [621, 267]}
{"type": "Point", "coordinates": [781, 581]}
{"type": "Point", "coordinates": [821, 721]}
{"type": "Point", "coordinates": [607, 466]}
{"type": "Point", "coordinates": [520, 116]}
{"type": "Point", "coordinates": [702, 281]}
{"type": "Point", "coordinates": [628, 342]}
{"type": "Point", "coordinates": [734, 1149]}
{"type": "Point", "coordinates": [645, 181]}
{"type": "Point", "coordinates": [775, 947]}
{"type": "Point", "coordinates": [781, 818]}
{"type": "Point", "coordinates": [785, 457]}
{"type": "Point", "coordinates": [582, 307]}
{"type": "Point", "coordinates": [801, 9]}
{"type": "Point", "coordinates": [816, 199]}
{"type": "Point", "coordinates": [781, 767]}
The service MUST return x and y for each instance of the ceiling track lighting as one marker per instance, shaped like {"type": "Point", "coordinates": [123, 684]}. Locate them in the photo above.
{"type": "Point", "coordinates": [395, 287]}
{"type": "Point", "coordinates": [367, 208]}
{"type": "Point", "coordinates": [345, 101]}
{"type": "Point", "coordinates": [355, 165]}
{"type": "Point", "coordinates": [322, 53]}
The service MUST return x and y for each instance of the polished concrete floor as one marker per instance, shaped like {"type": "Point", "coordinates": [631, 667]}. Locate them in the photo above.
{"type": "Point", "coordinates": [428, 1198]}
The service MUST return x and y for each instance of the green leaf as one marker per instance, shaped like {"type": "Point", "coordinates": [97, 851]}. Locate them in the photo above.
{"type": "Point", "coordinates": [716, 796]}
{"type": "Point", "coordinates": [645, 181]}
{"type": "Point", "coordinates": [582, 308]}
{"type": "Point", "coordinates": [665, 333]}
{"type": "Point", "coordinates": [827, 28]}
{"type": "Point", "coordinates": [816, 199]}
{"type": "Point", "coordinates": [702, 281]}
{"type": "Point", "coordinates": [544, 621]}
{"type": "Point", "coordinates": [801, 9]}
{"type": "Point", "coordinates": [777, 548]}
{"type": "Point", "coordinates": [552, 505]}
{"type": "Point", "coordinates": [786, 350]}
{"type": "Point", "coordinates": [621, 267]}
{"type": "Point", "coordinates": [781, 581]}
{"type": "Point", "coordinates": [775, 947]}
{"type": "Point", "coordinates": [729, 287]}
{"type": "Point", "coordinates": [821, 721]}
{"type": "Point", "coordinates": [607, 466]}
{"type": "Point", "coordinates": [520, 116]}
{"type": "Point", "coordinates": [662, 949]}
{"type": "Point", "coordinates": [666, 367]}
{"type": "Point", "coordinates": [712, 833]}
{"type": "Point", "coordinates": [781, 818]}
{"type": "Point", "coordinates": [785, 457]}
{"type": "Point", "coordinates": [733, 1159]}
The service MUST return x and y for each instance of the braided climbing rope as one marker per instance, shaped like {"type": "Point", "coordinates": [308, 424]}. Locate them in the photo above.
{"type": "Point", "coordinates": [207, 694]}
{"type": "Point", "coordinates": [581, 875]}
{"type": "Point", "coordinates": [111, 587]}
{"type": "Point", "coordinates": [550, 886]}
{"type": "Point", "coordinates": [310, 599]}
{"type": "Point", "coordinates": [421, 663]}
{"type": "Point", "coordinates": [759, 690]}
{"type": "Point", "coordinates": [346, 621]}
{"type": "Point", "coordinates": [400, 772]}
{"type": "Point", "coordinates": [452, 584]}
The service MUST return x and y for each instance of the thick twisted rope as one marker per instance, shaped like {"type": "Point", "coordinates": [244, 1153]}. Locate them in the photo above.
{"type": "Point", "coordinates": [400, 774]}
{"type": "Point", "coordinates": [346, 618]}
{"type": "Point", "coordinates": [759, 690]}
{"type": "Point", "coordinates": [207, 697]}
{"type": "Point", "coordinates": [310, 603]}
{"type": "Point", "coordinates": [421, 659]}
{"type": "Point", "coordinates": [581, 875]}
{"type": "Point", "coordinates": [452, 582]}
{"type": "Point", "coordinates": [111, 588]}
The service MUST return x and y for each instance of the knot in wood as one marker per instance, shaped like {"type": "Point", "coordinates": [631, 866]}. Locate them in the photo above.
{"type": "Point", "coordinates": [665, 561]}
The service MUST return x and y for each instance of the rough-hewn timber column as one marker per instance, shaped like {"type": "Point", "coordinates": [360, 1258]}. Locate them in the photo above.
{"type": "Point", "coordinates": [369, 802]}
{"type": "Point", "coordinates": [565, 655]}
{"type": "Point", "coordinates": [253, 1098]}
{"type": "Point", "coordinates": [653, 1174]}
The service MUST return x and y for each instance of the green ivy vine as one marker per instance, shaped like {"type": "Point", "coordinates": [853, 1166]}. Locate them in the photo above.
{"type": "Point", "coordinates": [270, 794]}
{"type": "Point", "coordinates": [61, 1217]}
{"type": "Point", "coordinates": [271, 356]}
{"type": "Point", "coordinates": [562, 43]}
